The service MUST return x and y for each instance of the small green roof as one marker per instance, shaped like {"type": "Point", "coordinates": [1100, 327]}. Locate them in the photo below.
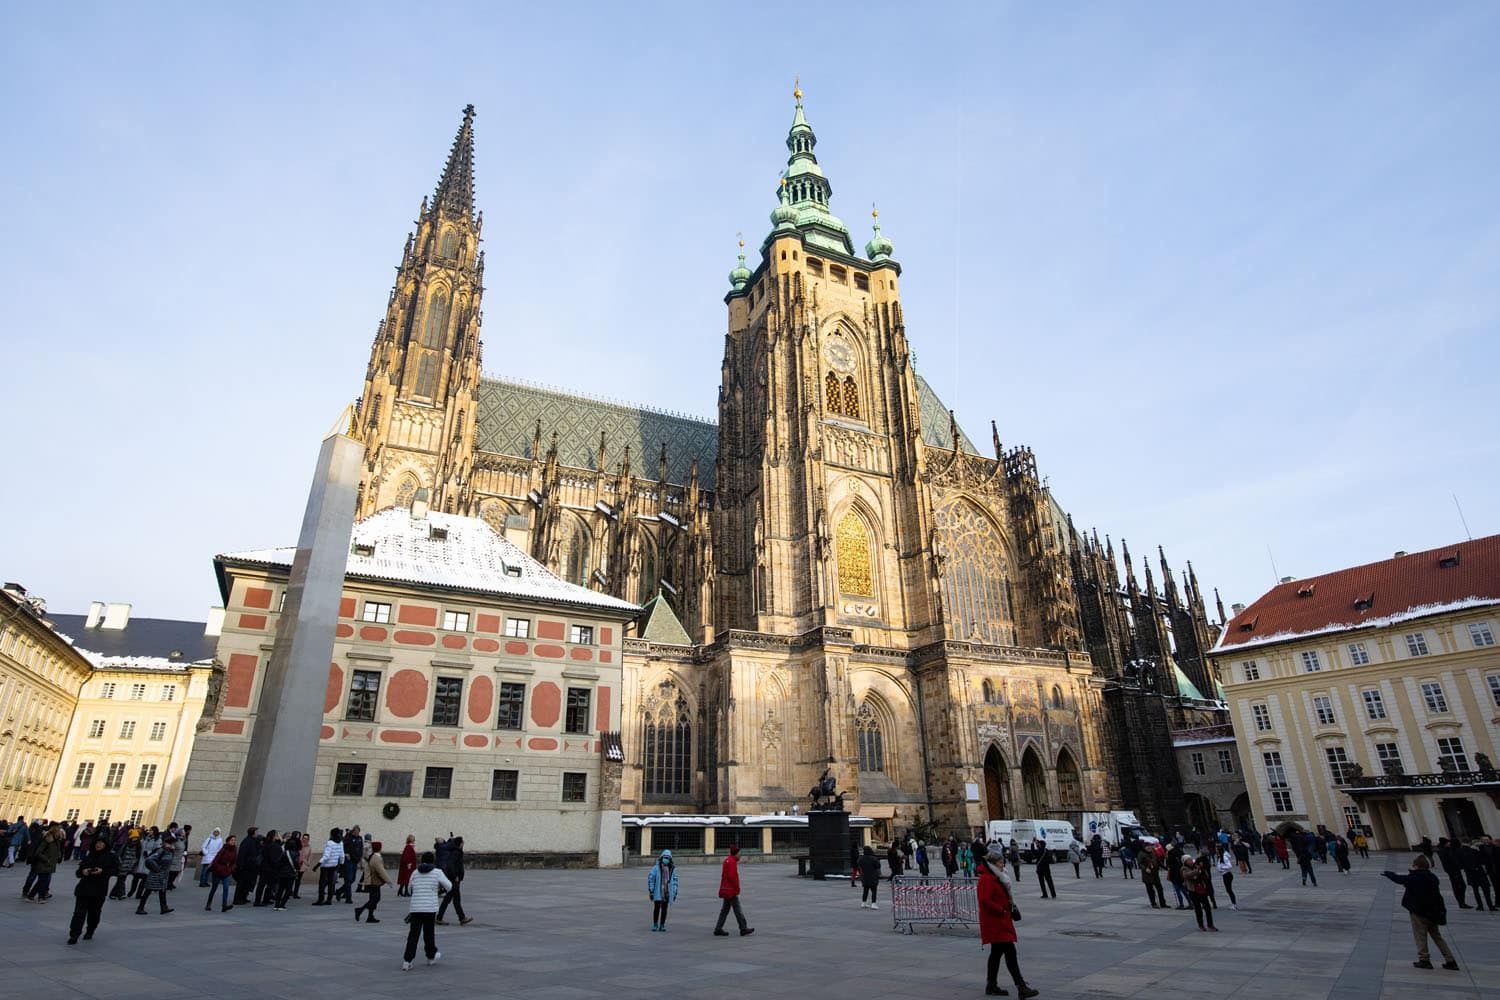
{"type": "Point", "coordinates": [1185, 687]}
{"type": "Point", "coordinates": [659, 624]}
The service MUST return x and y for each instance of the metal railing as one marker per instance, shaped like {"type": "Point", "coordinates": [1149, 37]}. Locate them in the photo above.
{"type": "Point", "coordinates": [1438, 779]}
{"type": "Point", "coordinates": [933, 902]}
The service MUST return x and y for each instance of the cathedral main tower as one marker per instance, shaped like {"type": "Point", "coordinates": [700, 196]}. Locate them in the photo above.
{"type": "Point", "coordinates": [417, 414]}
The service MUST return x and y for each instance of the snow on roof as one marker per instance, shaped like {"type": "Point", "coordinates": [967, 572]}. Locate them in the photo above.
{"type": "Point", "coordinates": [448, 550]}
{"type": "Point", "coordinates": [1455, 577]}
{"type": "Point", "coordinates": [147, 663]}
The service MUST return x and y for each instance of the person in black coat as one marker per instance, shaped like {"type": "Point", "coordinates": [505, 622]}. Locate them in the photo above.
{"type": "Point", "coordinates": [99, 865]}
{"type": "Point", "coordinates": [247, 867]}
{"type": "Point", "coordinates": [354, 853]}
{"type": "Point", "coordinates": [1044, 869]}
{"type": "Point", "coordinates": [869, 878]}
{"type": "Point", "coordinates": [893, 858]}
{"type": "Point", "coordinates": [1423, 900]}
{"type": "Point", "coordinates": [1475, 871]}
{"type": "Point", "coordinates": [1447, 853]}
{"type": "Point", "coordinates": [453, 867]}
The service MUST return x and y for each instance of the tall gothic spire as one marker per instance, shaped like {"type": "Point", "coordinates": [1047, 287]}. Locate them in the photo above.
{"type": "Point", "coordinates": [455, 189]}
{"type": "Point", "coordinates": [805, 192]}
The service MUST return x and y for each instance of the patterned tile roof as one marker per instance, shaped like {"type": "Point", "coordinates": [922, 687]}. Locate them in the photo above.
{"type": "Point", "coordinates": [508, 411]}
{"type": "Point", "coordinates": [448, 550]}
{"type": "Point", "coordinates": [1462, 575]}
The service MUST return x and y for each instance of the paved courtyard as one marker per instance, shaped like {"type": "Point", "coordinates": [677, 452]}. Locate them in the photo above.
{"type": "Point", "coordinates": [579, 934]}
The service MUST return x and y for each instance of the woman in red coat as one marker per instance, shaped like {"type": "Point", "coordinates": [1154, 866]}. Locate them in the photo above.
{"type": "Point", "coordinates": [407, 866]}
{"type": "Point", "coordinates": [996, 928]}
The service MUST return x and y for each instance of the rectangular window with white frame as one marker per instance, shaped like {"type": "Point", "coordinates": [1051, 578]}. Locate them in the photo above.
{"type": "Point", "coordinates": [1374, 704]}
{"type": "Point", "coordinates": [115, 776]}
{"type": "Point", "coordinates": [1338, 764]}
{"type": "Point", "coordinates": [1262, 716]}
{"type": "Point", "coordinates": [518, 628]}
{"type": "Point", "coordinates": [455, 621]}
{"type": "Point", "coordinates": [169, 692]}
{"type": "Point", "coordinates": [1251, 670]}
{"type": "Point", "coordinates": [377, 612]}
{"type": "Point", "coordinates": [158, 731]}
{"type": "Point", "coordinates": [107, 690]}
{"type": "Point", "coordinates": [136, 815]}
{"type": "Point", "coordinates": [127, 729]}
{"type": "Point", "coordinates": [1432, 694]}
{"type": "Point", "coordinates": [581, 635]}
{"type": "Point", "coordinates": [1323, 708]}
{"type": "Point", "coordinates": [96, 729]}
{"type": "Point", "coordinates": [1480, 634]}
{"type": "Point", "coordinates": [1281, 791]}
{"type": "Point", "coordinates": [1358, 655]}
{"type": "Point", "coordinates": [1389, 756]}
{"type": "Point", "coordinates": [1353, 819]}
{"type": "Point", "coordinates": [137, 692]}
{"type": "Point", "coordinates": [1199, 767]}
{"type": "Point", "coordinates": [1311, 662]}
{"type": "Point", "coordinates": [147, 776]}
{"type": "Point", "coordinates": [1416, 644]}
{"type": "Point", "coordinates": [1494, 682]}
{"type": "Point", "coordinates": [84, 776]}
{"type": "Point", "coordinates": [1451, 755]}
{"type": "Point", "coordinates": [71, 816]}
{"type": "Point", "coordinates": [1226, 761]}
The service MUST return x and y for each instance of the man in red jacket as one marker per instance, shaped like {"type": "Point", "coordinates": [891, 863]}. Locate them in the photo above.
{"type": "Point", "coordinates": [729, 892]}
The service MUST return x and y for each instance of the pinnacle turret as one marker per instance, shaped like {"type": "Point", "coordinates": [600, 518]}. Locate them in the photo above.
{"type": "Point", "coordinates": [805, 192]}
{"type": "Point", "coordinates": [455, 189]}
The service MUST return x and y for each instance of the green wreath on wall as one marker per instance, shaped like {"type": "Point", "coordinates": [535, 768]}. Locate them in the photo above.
{"type": "Point", "coordinates": [390, 810]}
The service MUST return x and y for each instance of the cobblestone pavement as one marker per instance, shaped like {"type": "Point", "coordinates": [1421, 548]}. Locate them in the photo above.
{"type": "Point", "coordinates": [549, 934]}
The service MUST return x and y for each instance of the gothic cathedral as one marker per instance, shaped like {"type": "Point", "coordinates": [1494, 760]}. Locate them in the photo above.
{"type": "Point", "coordinates": [832, 577]}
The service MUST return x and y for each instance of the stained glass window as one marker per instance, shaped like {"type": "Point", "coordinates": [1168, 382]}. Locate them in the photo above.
{"type": "Point", "coordinates": [853, 554]}
{"type": "Point", "coordinates": [976, 575]}
{"type": "Point", "coordinates": [851, 397]}
{"type": "Point", "coordinates": [426, 377]}
{"type": "Point", "coordinates": [437, 319]}
{"type": "Point", "coordinates": [666, 744]}
{"type": "Point", "coordinates": [406, 492]}
{"type": "Point", "coordinates": [871, 742]}
{"type": "Point", "coordinates": [835, 395]}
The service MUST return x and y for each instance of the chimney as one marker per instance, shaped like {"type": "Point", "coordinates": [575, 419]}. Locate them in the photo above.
{"type": "Point", "coordinates": [1400, 554]}
{"type": "Point", "coordinates": [419, 504]}
{"type": "Point", "coordinates": [96, 614]}
{"type": "Point", "coordinates": [1235, 609]}
{"type": "Point", "coordinates": [116, 616]}
{"type": "Point", "coordinates": [215, 624]}
{"type": "Point", "coordinates": [1288, 579]}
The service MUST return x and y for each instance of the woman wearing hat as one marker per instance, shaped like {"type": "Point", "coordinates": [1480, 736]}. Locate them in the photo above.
{"type": "Point", "coordinates": [661, 886]}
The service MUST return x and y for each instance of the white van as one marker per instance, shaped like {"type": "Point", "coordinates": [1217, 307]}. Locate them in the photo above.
{"type": "Point", "coordinates": [998, 831]}
{"type": "Point", "coordinates": [1055, 833]}
{"type": "Point", "coordinates": [1116, 827]}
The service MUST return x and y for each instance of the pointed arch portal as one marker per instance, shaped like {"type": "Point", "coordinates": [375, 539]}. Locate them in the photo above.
{"type": "Point", "coordinates": [996, 783]}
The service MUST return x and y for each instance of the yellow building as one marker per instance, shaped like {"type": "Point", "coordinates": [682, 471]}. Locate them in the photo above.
{"type": "Point", "coordinates": [1370, 696]}
{"type": "Point", "coordinates": [133, 728]}
{"type": "Point", "coordinates": [40, 676]}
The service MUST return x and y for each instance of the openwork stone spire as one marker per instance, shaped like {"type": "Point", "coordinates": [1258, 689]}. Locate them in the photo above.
{"type": "Point", "coordinates": [455, 189]}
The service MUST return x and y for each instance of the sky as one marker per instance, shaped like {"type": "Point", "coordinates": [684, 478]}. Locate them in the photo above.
{"type": "Point", "coordinates": [1232, 271]}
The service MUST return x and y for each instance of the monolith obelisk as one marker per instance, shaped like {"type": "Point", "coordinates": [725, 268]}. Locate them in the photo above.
{"type": "Point", "coordinates": [276, 785]}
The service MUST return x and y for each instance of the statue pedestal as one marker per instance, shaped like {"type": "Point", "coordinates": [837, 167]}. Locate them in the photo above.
{"type": "Point", "coordinates": [828, 842]}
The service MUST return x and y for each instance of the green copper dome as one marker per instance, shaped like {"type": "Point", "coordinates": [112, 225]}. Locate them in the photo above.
{"type": "Point", "coordinates": [740, 276]}
{"type": "Point", "coordinates": [804, 192]}
{"type": "Point", "coordinates": [879, 248]}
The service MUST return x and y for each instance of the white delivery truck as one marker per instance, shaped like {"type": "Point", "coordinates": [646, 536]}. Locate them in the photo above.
{"type": "Point", "coordinates": [998, 831]}
{"type": "Point", "coordinates": [1055, 833]}
{"type": "Point", "coordinates": [1116, 826]}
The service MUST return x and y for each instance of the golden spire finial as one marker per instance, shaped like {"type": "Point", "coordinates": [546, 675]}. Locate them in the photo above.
{"type": "Point", "coordinates": [741, 237]}
{"type": "Point", "coordinates": [874, 212]}
{"type": "Point", "coordinates": [797, 87]}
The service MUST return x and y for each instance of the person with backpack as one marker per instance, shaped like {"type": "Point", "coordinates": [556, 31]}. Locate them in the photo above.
{"type": "Point", "coordinates": [98, 866]}
{"type": "Point", "coordinates": [428, 884]}
{"type": "Point", "coordinates": [1423, 901]}
{"type": "Point", "coordinates": [158, 866]}
{"type": "Point", "coordinates": [453, 867]}
{"type": "Point", "coordinates": [997, 916]}
{"type": "Point", "coordinates": [869, 878]}
{"type": "Point", "coordinates": [661, 887]}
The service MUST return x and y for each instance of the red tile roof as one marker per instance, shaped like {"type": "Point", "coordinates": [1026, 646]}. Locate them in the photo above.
{"type": "Point", "coordinates": [1411, 586]}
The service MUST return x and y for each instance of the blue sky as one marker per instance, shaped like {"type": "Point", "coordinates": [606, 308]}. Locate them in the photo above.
{"type": "Point", "coordinates": [1233, 274]}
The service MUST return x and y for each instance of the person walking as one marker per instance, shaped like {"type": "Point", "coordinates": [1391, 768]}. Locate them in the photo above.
{"type": "Point", "coordinates": [1477, 874]}
{"type": "Point", "coordinates": [1341, 855]}
{"type": "Point", "coordinates": [1447, 855]}
{"type": "Point", "coordinates": [179, 856]}
{"type": "Point", "coordinates": [46, 855]}
{"type": "Point", "coordinates": [19, 835]}
{"type": "Point", "coordinates": [1303, 847]}
{"type": "Point", "coordinates": [158, 869]}
{"type": "Point", "coordinates": [1096, 855]}
{"type": "Point", "coordinates": [1199, 882]}
{"type": "Point", "coordinates": [1241, 851]}
{"type": "Point", "coordinates": [729, 892]}
{"type": "Point", "coordinates": [406, 866]}
{"type": "Point", "coordinates": [1075, 858]}
{"type": "Point", "coordinates": [247, 867]}
{"type": "Point", "coordinates": [1226, 866]}
{"type": "Point", "coordinates": [273, 863]}
{"type": "Point", "coordinates": [966, 859]}
{"type": "Point", "coordinates": [428, 883]}
{"type": "Point", "coordinates": [453, 867]}
{"type": "Point", "coordinates": [997, 927]}
{"type": "Point", "coordinates": [211, 845]}
{"type": "Point", "coordinates": [893, 858]}
{"type": "Point", "coordinates": [221, 873]}
{"type": "Point", "coordinates": [150, 843]}
{"type": "Point", "coordinates": [1280, 846]}
{"type": "Point", "coordinates": [1151, 879]}
{"type": "Point", "coordinates": [354, 852]}
{"type": "Point", "coordinates": [376, 878]}
{"type": "Point", "coordinates": [1013, 855]}
{"type": "Point", "coordinates": [1423, 900]}
{"type": "Point", "coordinates": [950, 857]}
{"type": "Point", "coordinates": [1361, 844]}
{"type": "Point", "coordinates": [661, 886]}
{"type": "Point", "coordinates": [1127, 860]}
{"type": "Point", "coordinates": [328, 868]}
{"type": "Point", "coordinates": [98, 866]}
{"type": "Point", "coordinates": [1044, 869]}
{"type": "Point", "coordinates": [296, 853]}
{"type": "Point", "coordinates": [129, 854]}
{"type": "Point", "coordinates": [869, 878]}
{"type": "Point", "coordinates": [1175, 874]}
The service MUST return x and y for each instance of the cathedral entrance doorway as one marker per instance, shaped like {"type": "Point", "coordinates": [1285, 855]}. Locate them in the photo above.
{"type": "Point", "coordinates": [1034, 785]}
{"type": "Point", "coordinates": [996, 781]}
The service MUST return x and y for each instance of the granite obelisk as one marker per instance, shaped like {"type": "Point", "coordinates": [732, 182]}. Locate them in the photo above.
{"type": "Point", "coordinates": [276, 785]}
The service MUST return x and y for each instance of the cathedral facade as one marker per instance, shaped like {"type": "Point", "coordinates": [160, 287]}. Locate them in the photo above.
{"type": "Point", "coordinates": [834, 576]}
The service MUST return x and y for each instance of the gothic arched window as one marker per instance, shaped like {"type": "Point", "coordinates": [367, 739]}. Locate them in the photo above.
{"type": "Point", "coordinates": [852, 550]}
{"type": "Point", "coordinates": [573, 559]}
{"type": "Point", "coordinates": [835, 400]}
{"type": "Point", "coordinates": [407, 491]}
{"type": "Point", "coordinates": [426, 377]}
{"type": "Point", "coordinates": [667, 744]}
{"type": "Point", "coordinates": [1057, 697]}
{"type": "Point", "coordinates": [450, 244]}
{"type": "Point", "coordinates": [988, 691]}
{"type": "Point", "coordinates": [851, 398]}
{"type": "Point", "coordinates": [976, 598]}
{"type": "Point", "coordinates": [436, 332]}
{"type": "Point", "coordinates": [871, 743]}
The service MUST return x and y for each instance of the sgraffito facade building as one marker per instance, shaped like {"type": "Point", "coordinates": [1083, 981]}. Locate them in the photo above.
{"type": "Point", "coordinates": [841, 579]}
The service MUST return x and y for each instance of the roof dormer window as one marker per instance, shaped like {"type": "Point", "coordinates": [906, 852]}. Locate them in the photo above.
{"type": "Point", "coordinates": [1365, 603]}
{"type": "Point", "coordinates": [437, 534]}
{"type": "Point", "coordinates": [364, 548]}
{"type": "Point", "coordinates": [1449, 562]}
{"type": "Point", "coordinates": [1306, 591]}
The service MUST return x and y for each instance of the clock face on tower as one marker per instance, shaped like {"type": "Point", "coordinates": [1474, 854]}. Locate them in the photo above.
{"type": "Point", "coordinates": [840, 356]}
